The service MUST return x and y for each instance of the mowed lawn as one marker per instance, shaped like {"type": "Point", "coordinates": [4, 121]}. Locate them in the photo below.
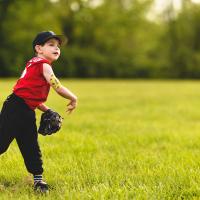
{"type": "Point", "coordinates": [128, 139]}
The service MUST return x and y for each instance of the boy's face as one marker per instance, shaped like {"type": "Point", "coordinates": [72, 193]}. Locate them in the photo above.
{"type": "Point", "coordinates": [50, 50]}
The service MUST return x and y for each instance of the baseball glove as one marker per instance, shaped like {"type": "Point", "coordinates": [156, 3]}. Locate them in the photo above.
{"type": "Point", "coordinates": [50, 123]}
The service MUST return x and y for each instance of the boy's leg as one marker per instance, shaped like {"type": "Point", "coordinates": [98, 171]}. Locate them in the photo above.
{"type": "Point", "coordinates": [6, 138]}
{"type": "Point", "coordinates": [18, 121]}
{"type": "Point", "coordinates": [27, 141]}
{"type": "Point", "coordinates": [8, 125]}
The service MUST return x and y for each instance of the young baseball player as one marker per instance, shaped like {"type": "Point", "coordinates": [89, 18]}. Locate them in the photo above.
{"type": "Point", "coordinates": [17, 119]}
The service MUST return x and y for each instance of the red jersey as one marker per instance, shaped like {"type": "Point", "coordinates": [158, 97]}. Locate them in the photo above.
{"type": "Point", "coordinates": [32, 85]}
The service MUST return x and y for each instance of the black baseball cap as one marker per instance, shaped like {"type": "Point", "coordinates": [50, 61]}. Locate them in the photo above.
{"type": "Point", "coordinates": [44, 36]}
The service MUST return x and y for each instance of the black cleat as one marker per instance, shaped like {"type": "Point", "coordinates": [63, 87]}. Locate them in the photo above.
{"type": "Point", "coordinates": [41, 186]}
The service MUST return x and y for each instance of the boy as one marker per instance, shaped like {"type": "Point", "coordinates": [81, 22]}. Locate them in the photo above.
{"type": "Point", "coordinates": [17, 119]}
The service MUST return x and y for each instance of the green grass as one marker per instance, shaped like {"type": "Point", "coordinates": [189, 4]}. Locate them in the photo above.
{"type": "Point", "coordinates": [126, 140]}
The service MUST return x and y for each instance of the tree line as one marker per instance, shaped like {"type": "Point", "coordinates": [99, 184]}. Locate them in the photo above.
{"type": "Point", "coordinates": [114, 38]}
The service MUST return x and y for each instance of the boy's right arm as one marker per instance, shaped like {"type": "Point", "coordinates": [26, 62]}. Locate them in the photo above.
{"type": "Point", "coordinates": [59, 88]}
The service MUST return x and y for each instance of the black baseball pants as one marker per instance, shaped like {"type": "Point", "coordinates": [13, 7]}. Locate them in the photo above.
{"type": "Point", "coordinates": [17, 121]}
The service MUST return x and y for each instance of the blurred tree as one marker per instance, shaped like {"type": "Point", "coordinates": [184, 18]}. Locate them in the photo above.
{"type": "Point", "coordinates": [106, 38]}
{"type": "Point", "coordinates": [180, 51]}
{"type": "Point", "coordinates": [20, 21]}
{"type": "Point", "coordinates": [4, 50]}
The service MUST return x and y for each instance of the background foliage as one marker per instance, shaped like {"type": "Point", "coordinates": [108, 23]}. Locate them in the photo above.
{"type": "Point", "coordinates": [114, 38]}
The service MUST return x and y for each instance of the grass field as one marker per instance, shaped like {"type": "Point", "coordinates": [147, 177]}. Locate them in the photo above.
{"type": "Point", "coordinates": [126, 140]}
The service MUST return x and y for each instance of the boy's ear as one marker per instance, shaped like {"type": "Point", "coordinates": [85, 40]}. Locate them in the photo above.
{"type": "Point", "coordinates": [37, 48]}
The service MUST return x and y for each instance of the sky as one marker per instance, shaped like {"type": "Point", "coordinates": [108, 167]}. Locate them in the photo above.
{"type": "Point", "coordinates": [160, 4]}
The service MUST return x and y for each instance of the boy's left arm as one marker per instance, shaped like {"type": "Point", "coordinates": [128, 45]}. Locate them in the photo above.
{"type": "Point", "coordinates": [43, 107]}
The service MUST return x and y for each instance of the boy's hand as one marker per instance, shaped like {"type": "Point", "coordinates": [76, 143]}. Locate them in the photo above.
{"type": "Point", "coordinates": [71, 106]}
